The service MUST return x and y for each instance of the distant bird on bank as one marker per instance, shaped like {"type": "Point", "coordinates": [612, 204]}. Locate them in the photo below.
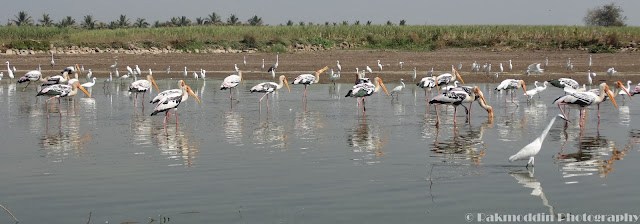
{"type": "Point", "coordinates": [274, 66]}
{"type": "Point", "coordinates": [534, 68]}
{"type": "Point", "coordinates": [52, 62]}
{"type": "Point", "coordinates": [611, 71]}
{"type": "Point", "coordinates": [379, 65]}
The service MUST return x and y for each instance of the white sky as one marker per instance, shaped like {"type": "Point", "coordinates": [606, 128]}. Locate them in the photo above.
{"type": "Point", "coordinates": [273, 12]}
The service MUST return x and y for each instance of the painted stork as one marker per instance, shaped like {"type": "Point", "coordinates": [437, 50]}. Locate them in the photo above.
{"type": "Point", "coordinates": [60, 90]}
{"type": "Point", "coordinates": [270, 87]}
{"type": "Point", "coordinates": [31, 76]}
{"type": "Point", "coordinates": [366, 88]}
{"type": "Point", "coordinates": [532, 149]}
{"type": "Point", "coordinates": [427, 83]}
{"type": "Point", "coordinates": [585, 99]}
{"type": "Point", "coordinates": [445, 78]}
{"type": "Point", "coordinates": [459, 96]}
{"type": "Point", "coordinates": [564, 82]}
{"type": "Point", "coordinates": [172, 101]}
{"type": "Point", "coordinates": [142, 86]}
{"type": "Point", "coordinates": [231, 82]}
{"type": "Point", "coordinates": [511, 85]}
{"type": "Point", "coordinates": [308, 79]}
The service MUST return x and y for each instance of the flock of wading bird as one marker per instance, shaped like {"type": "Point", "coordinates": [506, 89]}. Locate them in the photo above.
{"type": "Point", "coordinates": [61, 86]}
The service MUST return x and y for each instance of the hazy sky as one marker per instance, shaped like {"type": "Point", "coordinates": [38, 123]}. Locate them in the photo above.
{"type": "Point", "coordinates": [543, 12]}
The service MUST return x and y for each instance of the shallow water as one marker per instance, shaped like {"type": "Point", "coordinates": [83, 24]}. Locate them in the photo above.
{"type": "Point", "coordinates": [234, 163]}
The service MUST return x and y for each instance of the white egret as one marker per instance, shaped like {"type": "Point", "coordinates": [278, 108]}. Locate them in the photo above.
{"type": "Point", "coordinates": [532, 149]}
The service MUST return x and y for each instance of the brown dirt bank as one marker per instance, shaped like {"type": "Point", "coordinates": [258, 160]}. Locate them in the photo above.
{"type": "Point", "coordinates": [292, 64]}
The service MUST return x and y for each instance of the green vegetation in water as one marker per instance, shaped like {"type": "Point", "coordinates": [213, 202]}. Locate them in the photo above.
{"type": "Point", "coordinates": [285, 38]}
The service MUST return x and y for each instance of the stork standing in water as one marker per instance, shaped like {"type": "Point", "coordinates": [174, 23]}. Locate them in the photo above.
{"type": "Point", "coordinates": [142, 86]}
{"type": "Point", "coordinates": [444, 79]}
{"type": "Point", "coordinates": [585, 99]}
{"type": "Point", "coordinates": [564, 82]}
{"type": "Point", "coordinates": [366, 88]}
{"type": "Point", "coordinates": [511, 85]}
{"type": "Point", "coordinates": [532, 149]}
{"type": "Point", "coordinates": [31, 76]}
{"type": "Point", "coordinates": [428, 83]}
{"type": "Point", "coordinates": [172, 100]}
{"type": "Point", "coordinates": [334, 76]}
{"type": "Point", "coordinates": [60, 90]}
{"type": "Point", "coordinates": [308, 79]}
{"type": "Point", "coordinates": [397, 89]}
{"type": "Point", "coordinates": [458, 97]}
{"type": "Point", "coordinates": [231, 82]}
{"type": "Point", "coordinates": [269, 87]}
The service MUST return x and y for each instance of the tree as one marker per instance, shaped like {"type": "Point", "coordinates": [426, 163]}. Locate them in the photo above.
{"type": "Point", "coordinates": [403, 22]}
{"type": "Point", "coordinates": [607, 15]}
{"type": "Point", "coordinates": [184, 21]}
{"type": "Point", "coordinates": [357, 23]}
{"type": "Point", "coordinates": [157, 24]}
{"type": "Point", "coordinates": [66, 22]}
{"type": "Point", "coordinates": [88, 22]}
{"type": "Point", "coordinates": [389, 23]}
{"type": "Point", "coordinates": [344, 23]}
{"type": "Point", "coordinates": [369, 23]}
{"type": "Point", "coordinates": [289, 23]}
{"type": "Point", "coordinates": [233, 20]}
{"type": "Point", "coordinates": [214, 19]}
{"type": "Point", "coordinates": [142, 23]}
{"type": "Point", "coordinates": [23, 19]}
{"type": "Point", "coordinates": [200, 21]}
{"type": "Point", "coordinates": [301, 23]}
{"type": "Point", "coordinates": [255, 21]}
{"type": "Point", "coordinates": [123, 21]}
{"type": "Point", "coordinates": [46, 20]}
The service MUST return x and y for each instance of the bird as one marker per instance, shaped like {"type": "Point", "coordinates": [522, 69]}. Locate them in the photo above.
{"type": "Point", "coordinates": [415, 74]}
{"type": "Point", "coordinates": [427, 83]}
{"type": "Point", "coordinates": [168, 69]}
{"type": "Point", "coordinates": [430, 72]}
{"type": "Point", "coordinates": [397, 89]}
{"type": "Point", "coordinates": [510, 65]}
{"type": "Point", "coordinates": [14, 69]}
{"type": "Point", "coordinates": [338, 65]}
{"type": "Point", "coordinates": [449, 87]}
{"type": "Point", "coordinates": [31, 76]}
{"type": "Point", "coordinates": [448, 77]}
{"type": "Point", "coordinates": [585, 99]}
{"type": "Point", "coordinates": [231, 82]}
{"type": "Point", "coordinates": [269, 87]}
{"type": "Point", "coordinates": [623, 92]}
{"type": "Point", "coordinates": [130, 70]}
{"type": "Point", "coordinates": [369, 69]}
{"type": "Point", "coordinates": [546, 62]}
{"type": "Point", "coordinates": [39, 67]}
{"type": "Point", "coordinates": [589, 74]}
{"type": "Point", "coordinates": [366, 88]}
{"type": "Point", "coordinates": [590, 61]}
{"type": "Point", "coordinates": [172, 101]}
{"type": "Point", "coordinates": [195, 75]}
{"type": "Point", "coordinates": [59, 79]}
{"type": "Point", "coordinates": [60, 90]}
{"type": "Point", "coordinates": [534, 68]}
{"type": "Point", "coordinates": [488, 69]}
{"type": "Point", "coordinates": [89, 74]}
{"type": "Point", "coordinates": [511, 85]}
{"type": "Point", "coordinates": [244, 60]}
{"type": "Point", "coordinates": [569, 64]}
{"type": "Point", "coordinates": [460, 66]}
{"type": "Point", "coordinates": [82, 68]}
{"type": "Point", "coordinates": [501, 68]}
{"type": "Point", "coordinates": [113, 66]}
{"type": "Point", "coordinates": [532, 91]}
{"type": "Point", "coordinates": [275, 66]}
{"type": "Point", "coordinates": [235, 66]}
{"type": "Point", "coordinates": [89, 84]}
{"type": "Point", "coordinates": [117, 73]}
{"type": "Point", "coordinates": [457, 97]}
{"type": "Point", "coordinates": [564, 82]}
{"type": "Point", "coordinates": [379, 65]}
{"type": "Point", "coordinates": [203, 73]}
{"type": "Point", "coordinates": [611, 71]}
{"type": "Point", "coordinates": [538, 90]}
{"type": "Point", "coordinates": [262, 67]}
{"type": "Point", "coordinates": [400, 63]}
{"type": "Point", "coordinates": [308, 79]}
{"type": "Point", "coordinates": [184, 73]}
{"type": "Point", "coordinates": [273, 74]}
{"type": "Point", "coordinates": [138, 72]}
{"type": "Point", "coordinates": [474, 66]}
{"type": "Point", "coordinates": [532, 149]}
{"type": "Point", "coordinates": [334, 76]}
{"type": "Point", "coordinates": [142, 86]}
{"type": "Point", "coordinates": [9, 71]}
{"type": "Point", "coordinates": [52, 61]}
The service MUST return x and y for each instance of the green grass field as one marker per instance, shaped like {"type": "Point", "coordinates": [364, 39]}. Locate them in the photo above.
{"type": "Point", "coordinates": [282, 38]}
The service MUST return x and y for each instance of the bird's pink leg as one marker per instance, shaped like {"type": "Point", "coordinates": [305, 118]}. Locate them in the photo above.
{"type": "Point", "coordinates": [143, 99]}
{"type": "Point", "coordinates": [364, 108]}
{"type": "Point", "coordinates": [267, 101]}
{"type": "Point", "coordinates": [135, 101]}
{"type": "Point", "coordinates": [514, 103]}
{"type": "Point", "coordinates": [26, 86]}
{"type": "Point", "coordinates": [425, 95]}
{"type": "Point", "coordinates": [598, 111]}
{"type": "Point", "coordinates": [59, 107]}
{"type": "Point", "coordinates": [176, 112]}
{"type": "Point", "coordinates": [46, 104]}
{"type": "Point", "coordinates": [164, 122]}
{"type": "Point", "coordinates": [561, 110]}
{"type": "Point", "coordinates": [437, 115]}
{"type": "Point", "coordinates": [455, 110]}
{"type": "Point", "coordinates": [305, 91]}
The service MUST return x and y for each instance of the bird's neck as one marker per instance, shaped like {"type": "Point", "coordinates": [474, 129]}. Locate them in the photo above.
{"type": "Point", "coordinates": [603, 93]}
{"type": "Point", "coordinates": [377, 86]}
{"type": "Point", "coordinates": [546, 130]}
{"type": "Point", "coordinates": [317, 78]}
{"type": "Point", "coordinates": [281, 84]}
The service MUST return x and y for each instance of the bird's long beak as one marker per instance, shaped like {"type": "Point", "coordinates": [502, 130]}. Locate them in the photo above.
{"type": "Point", "coordinates": [153, 81]}
{"type": "Point", "coordinates": [83, 90]}
{"type": "Point", "coordinates": [458, 75]}
{"type": "Point", "coordinates": [382, 85]}
{"type": "Point", "coordinates": [608, 92]}
{"type": "Point", "coordinates": [524, 89]}
{"type": "Point", "coordinates": [322, 70]}
{"type": "Point", "coordinates": [190, 92]}
{"type": "Point", "coordinates": [484, 101]}
{"type": "Point", "coordinates": [286, 84]}
{"type": "Point", "coordinates": [78, 69]}
{"type": "Point", "coordinates": [241, 78]}
{"type": "Point", "coordinates": [623, 88]}
{"type": "Point", "coordinates": [436, 80]}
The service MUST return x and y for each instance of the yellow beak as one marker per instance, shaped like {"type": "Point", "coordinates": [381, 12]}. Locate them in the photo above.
{"type": "Point", "coordinates": [623, 88]}
{"type": "Point", "coordinates": [608, 91]}
{"type": "Point", "coordinates": [322, 70]}
{"type": "Point", "coordinates": [524, 89]}
{"type": "Point", "coordinates": [490, 111]}
{"type": "Point", "coordinates": [437, 87]}
{"type": "Point", "coordinates": [153, 81]}
{"type": "Point", "coordinates": [458, 75]}
{"type": "Point", "coordinates": [286, 83]}
{"type": "Point", "coordinates": [190, 92]}
{"type": "Point", "coordinates": [241, 78]}
{"type": "Point", "coordinates": [382, 85]}
{"type": "Point", "coordinates": [83, 90]}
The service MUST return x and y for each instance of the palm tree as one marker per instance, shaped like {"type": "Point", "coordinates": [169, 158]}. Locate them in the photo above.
{"type": "Point", "coordinates": [403, 22]}
{"type": "Point", "coordinates": [255, 21]}
{"type": "Point", "coordinates": [157, 24]}
{"type": "Point", "coordinates": [389, 23]}
{"type": "Point", "coordinates": [200, 21]}
{"type": "Point", "coordinates": [213, 19]}
{"type": "Point", "coordinates": [233, 20]}
{"type": "Point", "coordinates": [142, 23]}
{"type": "Point", "coordinates": [184, 21]}
{"type": "Point", "coordinates": [175, 21]}
{"type": "Point", "coordinates": [369, 23]}
{"type": "Point", "coordinates": [113, 25]}
{"type": "Point", "coordinates": [344, 23]}
{"type": "Point", "coordinates": [46, 20]}
{"type": "Point", "coordinates": [66, 22]}
{"type": "Point", "coordinates": [89, 22]}
{"type": "Point", "coordinates": [357, 23]}
{"type": "Point", "coordinates": [289, 23]}
{"type": "Point", "coordinates": [23, 19]}
{"type": "Point", "coordinates": [123, 22]}
{"type": "Point", "coordinates": [301, 23]}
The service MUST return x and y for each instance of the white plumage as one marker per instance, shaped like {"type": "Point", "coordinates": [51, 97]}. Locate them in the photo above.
{"type": "Point", "coordinates": [9, 71]}
{"type": "Point", "coordinates": [534, 68]}
{"type": "Point", "coordinates": [532, 149]}
{"type": "Point", "coordinates": [89, 84]}
{"type": "Point", "coordinates": [308, 79]}
{"type": "Point", "coordinates": [611, 71]}
{"type": "Point", "coordinates": [379, 65]}
{"type": "Point", "coordinates": [232, 81]}
{"type": "Point", "coordinates": [369, 69]}
{"type": "Point", "coordinates": [397, 89]}
{"type": "Point", "coordinates": [171, 100]}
